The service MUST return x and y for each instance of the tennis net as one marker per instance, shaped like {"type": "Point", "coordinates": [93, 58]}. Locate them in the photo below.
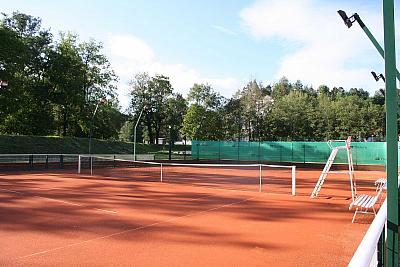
{"type": "Point", "coordinates": [247, 177]}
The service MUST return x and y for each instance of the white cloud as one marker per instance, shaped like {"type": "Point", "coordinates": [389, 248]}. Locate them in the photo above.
{"type": "Point", "coordinates": [327, 52]}
{"type": "Point", "coordinates": [224, 30]}
{"type": "Point", "coordinates": [130, 55]}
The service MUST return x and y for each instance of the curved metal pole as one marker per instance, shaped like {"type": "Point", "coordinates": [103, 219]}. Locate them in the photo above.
{"type": "Point", "coordinates": [91, 126]}
{"type": "Point", "coordinates": [370, 36]}
{"type": "Point", "coordinates": [134, 133]}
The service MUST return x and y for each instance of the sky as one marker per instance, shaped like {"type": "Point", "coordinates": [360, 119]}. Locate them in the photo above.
{"type": "Point", "coordinates": [224, 43]}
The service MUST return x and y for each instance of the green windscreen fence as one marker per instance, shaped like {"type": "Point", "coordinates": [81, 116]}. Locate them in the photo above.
{"type": "Point", "coordinates": [300, 152]}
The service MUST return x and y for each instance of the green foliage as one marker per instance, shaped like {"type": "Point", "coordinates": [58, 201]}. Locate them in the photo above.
{"type": "Point", "coordinates": [176, 108]}
{"type": "Point", "coordinates": [202, 124]}
{"type": "Point", "coordinates": [204, 95]}
{"type": "Point", "coordinates": [292, 117]}
{"type": "Point", "coordinates": [253, 107]}
{"type": "Point", "coordinates": [54, 85]}
{"type": "Point", "coordinates": [126, 132]}
{"type": "Point", "coordinates": [203, 120]}
{"type": "Point", "coordinates": [151, 95]}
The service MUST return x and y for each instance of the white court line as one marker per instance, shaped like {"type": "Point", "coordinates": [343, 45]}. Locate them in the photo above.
{"type": "Point", "coordinates": [168, 184]}
{"type": "Point", "coordinates": [59, 200]}
{"type": "Point", "coordinates": [136, 229]}
{"type": "Point", "coordinates": [75, 204]}
{"type": "Point", "coordinates": [97, 193]}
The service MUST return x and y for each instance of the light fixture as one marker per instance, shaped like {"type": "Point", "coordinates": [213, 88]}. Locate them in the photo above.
{"type": "Point", "coordinates": [378, 76]}
{"type": "Point", "coordinates": [345, 18]}
{"type": "Point", "coordinates": [348, 21]}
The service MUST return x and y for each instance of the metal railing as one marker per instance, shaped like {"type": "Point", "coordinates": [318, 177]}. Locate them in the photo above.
{"type": "Point", "coordinates": [369, 251]}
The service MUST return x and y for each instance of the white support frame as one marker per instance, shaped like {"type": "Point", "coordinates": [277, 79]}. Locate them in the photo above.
{"type": "Point", "coordinates": [327, 167]}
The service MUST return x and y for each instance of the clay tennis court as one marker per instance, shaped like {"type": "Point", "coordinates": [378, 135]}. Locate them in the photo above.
{"type": "Point", "coordinates": [60, 218]}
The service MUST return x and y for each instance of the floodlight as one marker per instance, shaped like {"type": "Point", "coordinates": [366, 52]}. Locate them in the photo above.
{"type": "Point", "coordinates": [378, 76]}
{"type": "Point", "coordinates": [349, 20]}
{"type": "Point", "coordinates": [345, 18]}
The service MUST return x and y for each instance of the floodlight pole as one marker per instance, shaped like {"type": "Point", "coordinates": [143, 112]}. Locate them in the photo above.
{"type": "Point", "coordinates": [392, 241]}
{"type": "Point", "coordinates": [134, 133]}
{"type": "Point", "coordinates": [370, 36]}
{"type": "Point", "coordinates": [101, 101]}
{"type": "Point", "coordinates": [170, 143]}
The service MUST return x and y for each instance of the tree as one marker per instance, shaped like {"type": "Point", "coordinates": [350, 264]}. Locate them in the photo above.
{"type": "Point", "coordinates": [323, 90]}
{"type": "Point", "coordinates": [292, 118]}
{"type": "Point", "coordinates": [24, 63]}
{"type": "Point", "coordinates": [232, 119]}
{"type": "Point", "coordinates": [126, 131]}
{"type": "Point", "coordinates": [201, 124]}
{"type": "Point", "coordinates": [67, 81]}
{"type": "Point", "coordinates": [282, 88]}
{"type": "Point", "coordinates": [161, 90]}
{"type": "Point", "coordinates": [203, 119]}
{"type": "Point", "coordinates": [203, 95]}
{"type": "Point", "coordinates": [325, 118]}
{"type": "Point", "coordinates": [151, 94]}
{"type": "Point", "coordinates": [176, 108]}
{"type": "Point", "coordinates": [53, 86]}
{"type": "Point", "coordinates": [141, 100]}
{"type": "Point", "coordinates": [359, 92]}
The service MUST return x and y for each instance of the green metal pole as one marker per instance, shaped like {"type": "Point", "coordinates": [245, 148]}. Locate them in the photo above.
{"type": "Point", "coordinates": [373, 40]}
{"type": "Point", "coordinates": [392, 242]}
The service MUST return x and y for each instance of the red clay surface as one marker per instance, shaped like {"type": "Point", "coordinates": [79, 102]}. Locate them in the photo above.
{"type": "Point", "coordinates": [60, 218]}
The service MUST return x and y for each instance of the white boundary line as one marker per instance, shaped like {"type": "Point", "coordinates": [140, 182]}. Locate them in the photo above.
{"type": "Point", "coordinates": [58, 200]}
{"type": "Point", "coordinates": [136, 228]}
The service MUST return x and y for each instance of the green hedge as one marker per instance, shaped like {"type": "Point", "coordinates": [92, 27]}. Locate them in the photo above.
{"type": "Point", "coordinates": [72, 145]}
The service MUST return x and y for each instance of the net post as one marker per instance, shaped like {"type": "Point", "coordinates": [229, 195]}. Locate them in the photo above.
{"type": "Point", "coordinates": [62, 161]}
{"type": "Point", "coordinates": [161, 174]}
{"type": "Point", "coordinates": [46, 164]}
{"type": "Point", "coordinates": [260, 178]}
{"type": "Point", "coordinates": [79, 164]}
{"type": "Point", "coordinates": [30, 161]}
{"type": "Point", "coordinates": [293, 180]}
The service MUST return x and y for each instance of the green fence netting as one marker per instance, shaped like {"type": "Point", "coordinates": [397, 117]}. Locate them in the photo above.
{"type": "Point", "coordinates": [300, 152]}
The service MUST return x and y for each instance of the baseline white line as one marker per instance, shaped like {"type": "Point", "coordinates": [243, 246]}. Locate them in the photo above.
{"type": "Point", "coordinates": [59, 200]}
{"type": "Point", "coordinates": [136, 228]}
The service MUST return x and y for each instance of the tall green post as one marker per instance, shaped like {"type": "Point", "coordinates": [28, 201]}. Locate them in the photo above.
{"type": "Point", "coordinates": [392, 242]}
{"type": "Point", "coordinates": [376, 44]}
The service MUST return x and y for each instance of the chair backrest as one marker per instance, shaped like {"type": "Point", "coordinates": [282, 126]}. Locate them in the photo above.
{"type": "Point", "coordinates": [380, 183]}
{"type": "Point", "coordinates": [379, 189]}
